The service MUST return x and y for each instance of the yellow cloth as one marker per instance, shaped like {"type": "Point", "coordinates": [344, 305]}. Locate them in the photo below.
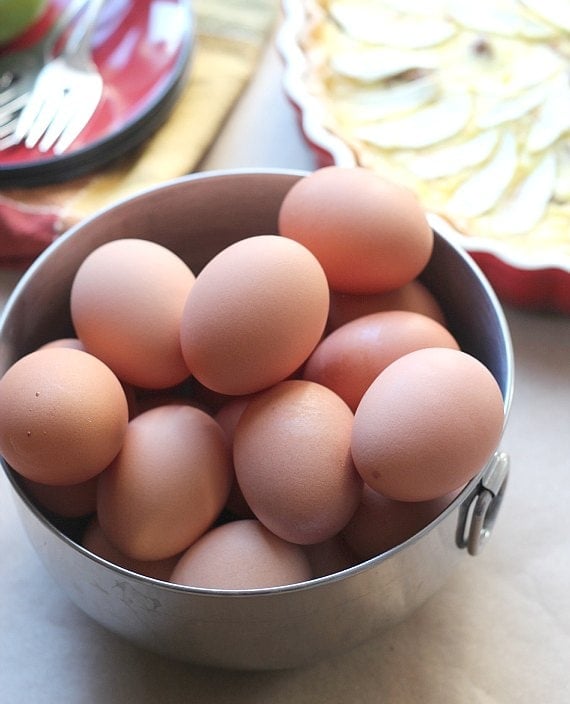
{"type": "Point", "coordinates": [230, 35]}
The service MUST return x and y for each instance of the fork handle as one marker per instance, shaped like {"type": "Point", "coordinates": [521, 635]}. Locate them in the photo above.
{"type": "Point", "coordinates": [78, 46]}
{"type": "Point", "coordinates": [60, 25]}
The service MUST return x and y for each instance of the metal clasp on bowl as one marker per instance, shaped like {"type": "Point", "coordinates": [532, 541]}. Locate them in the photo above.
{"type": "Point", "coordinates": [479, 511]}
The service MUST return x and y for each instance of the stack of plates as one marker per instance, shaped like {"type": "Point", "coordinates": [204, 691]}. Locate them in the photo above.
{"type": "Point", "coordinates": [142, 49]}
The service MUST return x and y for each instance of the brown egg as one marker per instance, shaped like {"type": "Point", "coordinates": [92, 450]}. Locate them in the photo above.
{"type": "Point", "coordinates": [228, 417]}
{"type": "Point", "coordinates": [380, 524]}
{"type": "Point", "coordinates": [254, 315]}
{"type": "Point", "coordinates": [71, 501]}
{"type": "Point", "coordinates": [127, 300]}
{"type": "Point", "coordinates": [413, 297]}
{"type": "Point", "coordinates": [76, 344]}
{"type": "Point", "coordinates": [351, 357]}
{"type": "Point", "coordinates": [369, 234]}
{"type": "Point", "coordinates": [229, 414]}
{"type": "Point", "coordinates": [292, 461]}
{"type": "Point", "coordinates": [96, 542]}
{"type": "Point", "coordinates": [167, 485]}
{"type": "Point", "coordinates": [63, 416]}
{"type": "Point", "coordinates": [427, 424]}
{"type": "Point", "coordinates": [72, 342]}
{"type": "Point", "coordinates": [241, 555]}
{"type": "Point", "coordinates": [331, 556]}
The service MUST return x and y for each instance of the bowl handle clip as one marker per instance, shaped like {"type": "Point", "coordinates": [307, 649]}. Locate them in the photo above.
{"type": "Point", "coordinates": [479, 511]}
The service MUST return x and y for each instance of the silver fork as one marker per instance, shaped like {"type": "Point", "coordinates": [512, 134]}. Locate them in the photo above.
{"type": "Point", "coordinates": [19, 71]}
{"type": "Point", "coordinates": [66, 92]}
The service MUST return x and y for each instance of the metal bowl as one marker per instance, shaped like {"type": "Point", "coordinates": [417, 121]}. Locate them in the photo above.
{"type": "Point", "coordinates": [278, 627]}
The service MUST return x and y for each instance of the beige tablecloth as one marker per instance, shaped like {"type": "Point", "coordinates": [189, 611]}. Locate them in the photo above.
{"type": "Point", "coordinates": [497, 633]}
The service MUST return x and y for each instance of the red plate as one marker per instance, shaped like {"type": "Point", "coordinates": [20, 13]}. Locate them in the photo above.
{"type": "Point", "coordinates": [142, 49]}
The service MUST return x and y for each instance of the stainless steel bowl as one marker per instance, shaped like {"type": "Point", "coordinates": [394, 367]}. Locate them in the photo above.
{"type": "Point", "coordinates": [279, 627]}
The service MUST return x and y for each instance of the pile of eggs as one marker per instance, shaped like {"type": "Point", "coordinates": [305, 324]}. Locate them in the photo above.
{"type": "Point", "coordinates": [296, 407]}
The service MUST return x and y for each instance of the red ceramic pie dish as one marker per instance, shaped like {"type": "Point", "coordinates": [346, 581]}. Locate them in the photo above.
{"type": "Point", "coordinates": [528, 280]}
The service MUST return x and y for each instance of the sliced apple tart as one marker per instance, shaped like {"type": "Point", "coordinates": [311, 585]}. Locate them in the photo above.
{"type": "Point", "coordinates": [467, 102]}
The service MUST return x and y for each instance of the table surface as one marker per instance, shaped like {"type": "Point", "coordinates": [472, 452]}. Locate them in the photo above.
{"type": "Point", "coordinates": [499, 630]}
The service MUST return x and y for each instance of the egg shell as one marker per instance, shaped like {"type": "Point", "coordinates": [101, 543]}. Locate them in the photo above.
{"type": "Point", "coordinates": [427, 424]}
{"type": "Point", "coordinates": [413, 297]}
{"type": "Point", "coordinates": [73, 342]}
{"type": "Point", "coordinates": [292, 461]}
{"type": "Point", "coordinates": [254, 315]}
{"type": "Point", "coordinates": [351, 357]}
{"type": "Point", "coordinates": [76, 344]}
{"type": "Point", "coordinates": [126, 303]}
{"type": "Point", "coordinates": [96, 542]}
{"type": "Point", "coordinates": [241, 555]}
{"type": "Point", "coordinates": [228, 416]}
{"type": "Point", "coordinates": [370, 235]}
{"type": "Point", "coordinates": [63, 416]}
{"type": "Point", "coordinates": [380, 524]}
{"type": "Point", "coordinates": [71, 501]}
{"type": "Point", "coordinates": [167, 485]}
{"type": "Point", "coordinates": [331, 556]}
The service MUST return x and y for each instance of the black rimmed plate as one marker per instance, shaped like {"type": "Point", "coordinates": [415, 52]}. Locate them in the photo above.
{"type": "Point", "coordinates": [143, 49]}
